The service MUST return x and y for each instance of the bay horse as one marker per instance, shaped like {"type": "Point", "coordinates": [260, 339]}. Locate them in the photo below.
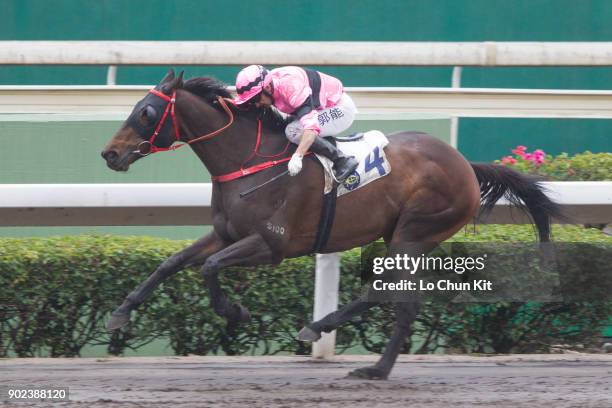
{"type": "Point", "coordinates": [430, 194]}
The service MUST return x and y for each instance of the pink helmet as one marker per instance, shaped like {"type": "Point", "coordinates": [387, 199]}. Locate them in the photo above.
{"type": "Point", "coordinates": [249, 83]}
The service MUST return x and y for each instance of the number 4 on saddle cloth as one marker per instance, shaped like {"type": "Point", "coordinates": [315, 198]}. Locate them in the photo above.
{"type": "Point", "coordinates": [368, 149]}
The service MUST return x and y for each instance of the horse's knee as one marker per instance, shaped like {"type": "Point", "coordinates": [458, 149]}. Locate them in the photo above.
{"type": "Point", "coordinates": [210, 268]}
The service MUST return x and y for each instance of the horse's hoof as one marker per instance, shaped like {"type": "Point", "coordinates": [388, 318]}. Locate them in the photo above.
{"type": "Point", "coordinates": [368, 373]}
{"type": "Point", "coordinates": [307, 334]}
{"type": "Point", "coordinates": [118, 320]}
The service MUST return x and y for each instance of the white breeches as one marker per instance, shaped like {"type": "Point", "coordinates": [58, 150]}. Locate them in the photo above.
{"type": "Point", "coordinates": [332, 121]}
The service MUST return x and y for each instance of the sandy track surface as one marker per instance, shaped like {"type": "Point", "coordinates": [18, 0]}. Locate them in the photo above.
{"type": "Point", "coordinates": [568, 380]}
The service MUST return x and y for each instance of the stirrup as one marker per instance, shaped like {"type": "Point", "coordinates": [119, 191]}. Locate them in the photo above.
{"type": "Point", "coordinates": [349, 169]}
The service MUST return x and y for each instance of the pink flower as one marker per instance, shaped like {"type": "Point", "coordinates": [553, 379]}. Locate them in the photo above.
{"type": "Point", "coordinates": [508, 160]}
{"type": "Point", "coordinates": [519, 150]}
{"type": "Point", "coordinates": [529, 156]}
{"type": "Point", "coordinates": [539, 156]}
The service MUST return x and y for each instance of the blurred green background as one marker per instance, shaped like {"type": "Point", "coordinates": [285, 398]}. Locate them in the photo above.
{"type": "Point", "coordinates": [368, 20]}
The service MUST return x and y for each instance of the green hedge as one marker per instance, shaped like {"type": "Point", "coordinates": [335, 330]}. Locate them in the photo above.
{"type": "Point", "coordinates": [56, 294]}
{"type": "Point", "coordinates": [585, 166]}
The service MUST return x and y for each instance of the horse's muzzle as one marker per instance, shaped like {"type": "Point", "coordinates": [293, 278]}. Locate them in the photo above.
{"type": "Point", "coordinates": [113, 161]}
{"type": "Point", "coordinates": [109, 155]}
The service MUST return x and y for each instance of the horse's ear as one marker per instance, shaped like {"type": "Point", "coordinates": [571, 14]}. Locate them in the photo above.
{"type": "Point", "coordinates": [179, 80]}
{"type": "Point", "coordinates": [173, 84]}
{"type": "Point", "coordinates": [169, 76]}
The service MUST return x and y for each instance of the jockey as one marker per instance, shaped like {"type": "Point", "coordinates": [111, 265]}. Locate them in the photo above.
{"type": "Point", "coordinates": [317, 101]}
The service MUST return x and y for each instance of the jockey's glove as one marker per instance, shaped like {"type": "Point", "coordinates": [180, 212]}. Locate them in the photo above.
{"type": "Point", "coordinates": [295, 164]}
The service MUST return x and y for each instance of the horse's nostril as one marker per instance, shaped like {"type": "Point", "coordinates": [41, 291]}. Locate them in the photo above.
{"type": "Point", "coordinates": [109, 155]}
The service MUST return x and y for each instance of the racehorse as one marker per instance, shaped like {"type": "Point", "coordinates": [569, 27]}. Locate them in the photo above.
{"type": "Point", "coordinates": [431, 193]}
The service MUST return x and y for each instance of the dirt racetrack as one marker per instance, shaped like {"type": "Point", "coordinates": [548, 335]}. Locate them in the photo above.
{"type": "Point", "coordinates": [567, 380]}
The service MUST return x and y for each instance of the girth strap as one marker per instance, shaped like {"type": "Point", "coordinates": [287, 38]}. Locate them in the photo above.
{"type": "Point", "coordinates": [326, 221]}
{"type": "Point", "coordinates": [328, 214]}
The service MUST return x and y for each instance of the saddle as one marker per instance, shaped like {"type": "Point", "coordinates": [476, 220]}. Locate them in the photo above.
{"type": "Point", "coordinates": [350, 138]}
{"type": "Point", "coordinates": [368, 149]}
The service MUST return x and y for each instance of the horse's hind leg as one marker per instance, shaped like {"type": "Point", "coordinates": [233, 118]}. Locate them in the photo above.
{"type": "Point", "coordinates": [332, 321]}
{"type": "Point", "coordinates": [312, 332]}
{"type": "Point", "coordinates": [414, 236]}
{"type": "Point", "coordinates": [405, 314]}
{"type": "Point", "coordinates": [195, 254]}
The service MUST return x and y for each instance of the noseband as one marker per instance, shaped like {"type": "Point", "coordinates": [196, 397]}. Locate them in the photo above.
{"type": "Point", "coordinates": [146, 147]}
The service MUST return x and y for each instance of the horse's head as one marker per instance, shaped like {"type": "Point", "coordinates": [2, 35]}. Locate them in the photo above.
{"type": "Point", "coordinates": [149, 126]}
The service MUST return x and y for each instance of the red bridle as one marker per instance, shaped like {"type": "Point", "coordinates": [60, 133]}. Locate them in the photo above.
{"type": "Point", "coordinates": [146, 147]}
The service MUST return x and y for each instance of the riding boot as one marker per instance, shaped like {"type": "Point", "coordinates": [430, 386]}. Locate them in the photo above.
{"type": "Point", "coordinates": [343, 165]}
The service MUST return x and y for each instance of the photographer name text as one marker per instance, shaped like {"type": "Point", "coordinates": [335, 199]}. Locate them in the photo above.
{"type": "Point", "coordinates": [441, 285]}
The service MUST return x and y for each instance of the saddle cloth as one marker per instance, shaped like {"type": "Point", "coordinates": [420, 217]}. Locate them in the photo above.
{"type": "Point", "coordinates": [373, 163]}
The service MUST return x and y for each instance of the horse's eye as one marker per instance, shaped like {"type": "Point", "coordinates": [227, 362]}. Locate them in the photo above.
{"type": "Point", "coordinates": [148, 115]}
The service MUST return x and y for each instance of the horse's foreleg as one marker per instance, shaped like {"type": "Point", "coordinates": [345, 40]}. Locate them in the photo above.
{"type": "Point", "coordinates": [250, 251]}
{"type": "Point", "coordinates": [195, 254]}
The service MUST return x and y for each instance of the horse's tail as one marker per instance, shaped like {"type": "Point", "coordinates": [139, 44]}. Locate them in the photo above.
{"type": "Point", "coordinates": [521, 190]}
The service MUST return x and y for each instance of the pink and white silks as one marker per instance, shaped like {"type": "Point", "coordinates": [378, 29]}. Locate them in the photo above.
{"type": "Point", "coordinates": [291, 89]}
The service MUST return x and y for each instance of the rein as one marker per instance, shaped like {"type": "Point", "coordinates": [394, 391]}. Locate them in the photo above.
{"type": "Point", "coordinates": [146, 147]}
{"type": "Point", "coordinates": [256, 168]}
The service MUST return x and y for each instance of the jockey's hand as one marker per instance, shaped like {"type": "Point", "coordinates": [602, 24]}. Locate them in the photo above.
{"type": "Point", "coordinates": [295, 164]}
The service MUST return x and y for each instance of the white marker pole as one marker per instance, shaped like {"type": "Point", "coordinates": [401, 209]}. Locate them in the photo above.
{"type": "Point", "coordinates": [327, 282]}
{"type": "Point", "coordinates": [111, 75]}
{"type": "Point", "coordinates": [454, 122]}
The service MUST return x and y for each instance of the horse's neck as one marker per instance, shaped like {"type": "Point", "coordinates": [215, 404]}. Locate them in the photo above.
{"type": "Point", "coordinates": [227, 151]}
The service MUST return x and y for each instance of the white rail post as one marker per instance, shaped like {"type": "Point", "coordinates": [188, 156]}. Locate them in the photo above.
{"type": "Point", "coordinates": [111, 75]}
{"type": "Point", "coordinates": [327, 282]}
{"type": "Point", "coordinates": [454, 127]}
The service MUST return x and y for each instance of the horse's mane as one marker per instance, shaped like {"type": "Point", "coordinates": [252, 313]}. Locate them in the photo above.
{"type": "Point", "coordinates": [209, 88]}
